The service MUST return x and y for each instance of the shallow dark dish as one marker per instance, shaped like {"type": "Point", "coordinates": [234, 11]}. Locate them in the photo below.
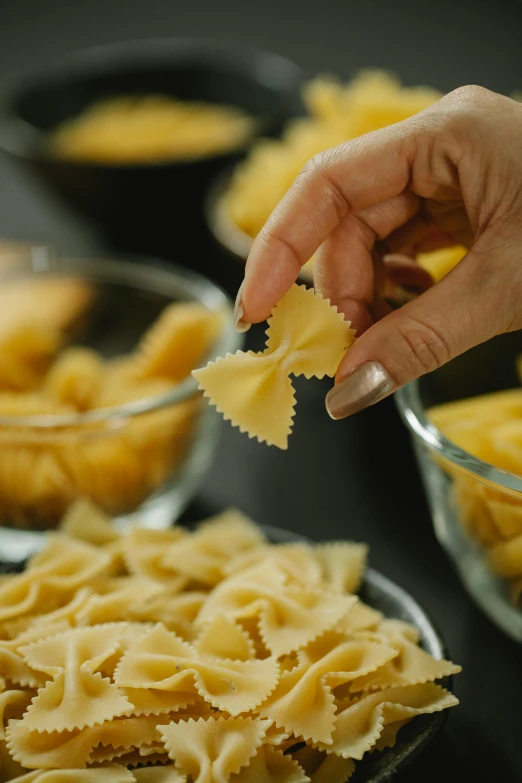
{"type": "Point", "coordinates": [148, 207]}
{"type": "Point", "coordinates": [393, 601]}
{"type": "Point", "coordinates": [381, 593]}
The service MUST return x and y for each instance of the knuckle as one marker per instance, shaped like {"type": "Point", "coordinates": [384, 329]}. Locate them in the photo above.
{"type": "Point", "coordinates": [470, 95]}
{"type": "Point", "coordinates": [320, 168]}
{"type": "Point", "coordinates": [426, 346]}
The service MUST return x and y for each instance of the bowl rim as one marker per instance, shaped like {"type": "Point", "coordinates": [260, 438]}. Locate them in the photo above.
{"type": "Point", "coordinates": [19, 137]}
{"type": "Point", "coordinates": [148, 274]}
{"type": "Point", "coordinates": [413, 414]}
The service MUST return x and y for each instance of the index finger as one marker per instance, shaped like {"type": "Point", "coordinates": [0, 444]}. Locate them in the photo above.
{"type": "Point", "coordinates": [348, 178]}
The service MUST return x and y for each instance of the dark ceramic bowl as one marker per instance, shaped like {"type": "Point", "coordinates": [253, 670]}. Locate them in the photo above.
{"type": "Point", "coordinates": [390, 599]}
{"type": "Point", "coordinates": [381, 593]}
{"type": "Point", "coordinates": [144, 207]}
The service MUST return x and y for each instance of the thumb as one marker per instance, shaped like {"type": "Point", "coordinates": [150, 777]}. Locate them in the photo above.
{"type": "Point", "coordinates": [466, 308]}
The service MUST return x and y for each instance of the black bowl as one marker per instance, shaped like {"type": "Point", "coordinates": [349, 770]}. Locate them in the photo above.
{"type": "Point", "coordinates": [146, 207]}
{"type": "Point", "coordinates": [381, 593]}
{"type": "Point", "coordinates": [393, 601]}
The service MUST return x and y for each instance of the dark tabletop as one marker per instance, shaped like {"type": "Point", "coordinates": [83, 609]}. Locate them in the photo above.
{"type": "Point", "coordinates": [353, 479]}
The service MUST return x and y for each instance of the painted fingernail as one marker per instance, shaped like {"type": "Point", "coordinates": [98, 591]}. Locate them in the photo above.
{"type": "Point", "coordinates": [241, 326]}
{"type": "Point", "coordinates": [365, 386]}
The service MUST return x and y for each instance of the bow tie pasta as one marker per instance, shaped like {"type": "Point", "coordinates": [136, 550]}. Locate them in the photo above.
{"type": "Point", "coordinates": [178, 660]}
{"type": "Point", "coordinates": [306, 336]}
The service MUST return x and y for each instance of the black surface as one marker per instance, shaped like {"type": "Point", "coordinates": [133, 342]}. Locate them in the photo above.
{"type": "Point", "coordinates": [353, 479]}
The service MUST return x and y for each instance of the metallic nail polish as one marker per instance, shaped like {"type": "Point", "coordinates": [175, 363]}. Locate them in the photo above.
{"type": "Point", "coordinates": [241, 326]}
{"type": "Point", "coordinates": [364, 387]}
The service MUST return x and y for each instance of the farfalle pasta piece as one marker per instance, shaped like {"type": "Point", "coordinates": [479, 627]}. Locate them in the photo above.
{"type": "Point", "coordinates": [302, 702]}
{"type": "Point", "coordinates": [306, 336]}
{"type": "Point", "coordinates": [411, 666]}
{"type": "Point", "coordinates": [67, 564]}
{"type": "Point", "coordinates": [109, 774]}
{"type": "Point", "coordinates": [177, 611]}
{"type": "Point", "coordinates": [13, 665]}
{"type": "Point", "coordinates": [297, 561]}
{"type": "Point", "coordinates": [203, 555]}
{"type": "Point", "coordinates": [223, 638]}
{"type": "Point", "coordinates": [163, 774]}
{"type": "Point", "coordinates": [144, 552]}
{"type": "Point", "coordinates": [342, 565]}
{"type": "Point", "coordinates": [210, 751]}
{"type": "Point", "coordinates": [42, 750]}
{"type": "Point", "coordinates": [359, 726]}
{"type": "Point", "coordinates": [322, 768]}
{"type": "Point", "coordinates": [112, 605]}
{"type": "Point", "coordinates": [163, 661]}
{"type": "Point", "coordinates": [360, 617]}
{"type": "Point", "coordinates": [62, 567]}
{"type": "Point", "coordinates": [271, 766]}
{"type": "Point", "coordinates": [289, 617]}
{"type": "Point", "coordinates": [78, 695]}
{"type": "Point", "coordinates": [180, 339]}
{"type": "Point", "coordinates": [13, 703]}
{"type": "Point", "coordinates": [152, 701]}
{"type": "Point", "coordinates": [87, 522]}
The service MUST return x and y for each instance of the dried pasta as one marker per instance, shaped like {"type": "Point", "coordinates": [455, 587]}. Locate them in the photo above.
{"type": "Point", "coordinates": [488, 426]}
{"type": "Point", "coordinates": [306, 336]}
{"type": "Point", "coordinates": [122, 662]}
{"type": "Point", "coordinates": [115, 465]}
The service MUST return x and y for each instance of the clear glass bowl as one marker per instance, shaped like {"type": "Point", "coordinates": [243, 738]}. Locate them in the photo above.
{"type": "Point", "coordinates": [474, 505]}
{"type": "Point", "coordinates": [142, 461]}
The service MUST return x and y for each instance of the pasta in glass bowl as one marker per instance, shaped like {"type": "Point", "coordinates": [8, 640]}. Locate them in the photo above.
{"type": "Point", "coordinates": [465, 421]}
{"type": "Point", "coordinates": [96, 396]}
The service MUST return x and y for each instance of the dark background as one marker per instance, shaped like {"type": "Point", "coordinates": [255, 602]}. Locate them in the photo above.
{"type": "Point", "coordinates": [357, 478]}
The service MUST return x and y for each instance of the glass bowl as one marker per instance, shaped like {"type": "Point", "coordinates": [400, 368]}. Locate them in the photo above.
{"type": "Point", "coordinates": [140, 460]}
{"type": "Point", "coordinates": [476, 507]}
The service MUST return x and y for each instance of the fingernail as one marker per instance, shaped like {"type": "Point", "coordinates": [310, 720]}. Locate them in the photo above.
{"type": "Point", "coordinates": [241, 326]}
{"type": "Point", "coordinates": [365, 386]}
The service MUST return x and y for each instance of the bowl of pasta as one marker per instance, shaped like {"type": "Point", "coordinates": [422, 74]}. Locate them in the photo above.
{"type": "Point", "coordinates": [466, 426]}
{"type": "Point", "coordinates": [245, 651]}
{"type": "Point", "coordinates": [96, 396]}
{"type": "Point", "coordinates": [130, 134]}
{"type": "Point", "coordinates": [240, 201]}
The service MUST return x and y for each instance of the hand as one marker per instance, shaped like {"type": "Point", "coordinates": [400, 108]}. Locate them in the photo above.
{"type": "Point", "coordinates": [451, 174]}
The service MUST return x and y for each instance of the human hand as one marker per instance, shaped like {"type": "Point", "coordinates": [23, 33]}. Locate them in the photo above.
{"type": "Point", "coordinates": [451, 174]}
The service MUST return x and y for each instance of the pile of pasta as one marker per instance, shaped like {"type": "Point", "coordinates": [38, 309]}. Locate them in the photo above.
{"type": "Point", "coordinates": [489, 427]}
{"type": "Point", "coordinates": [206, 656]}
{"type": "Point", "coordinates": [135, 129]}
{"type": "Point", "coordinates": [117, 463]}
{"type": "Point", "coordinates": [336, 113]}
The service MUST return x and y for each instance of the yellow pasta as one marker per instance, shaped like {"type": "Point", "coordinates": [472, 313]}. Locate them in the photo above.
{"type": "Point", "coordinates": [439, 263]}
{"type": "Point", "coordinates": [336, 113]}
{"type": "Point", "coordinates": [135, 129]}
{"type": "Point", "coordinates": [178, 341]}
{"type": "Point", "coordinates": [98, 684]}
{"type": "Point", "coordinates": [116, 464]}
{"type": "Point", "coordinates": [489, 426]}
{"type": "Point", "coordinates": [305, 336]}
{"type": "Point", "coordinates": [76, 378]}
{"type": "Point", "coordinates": [224, 745]}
